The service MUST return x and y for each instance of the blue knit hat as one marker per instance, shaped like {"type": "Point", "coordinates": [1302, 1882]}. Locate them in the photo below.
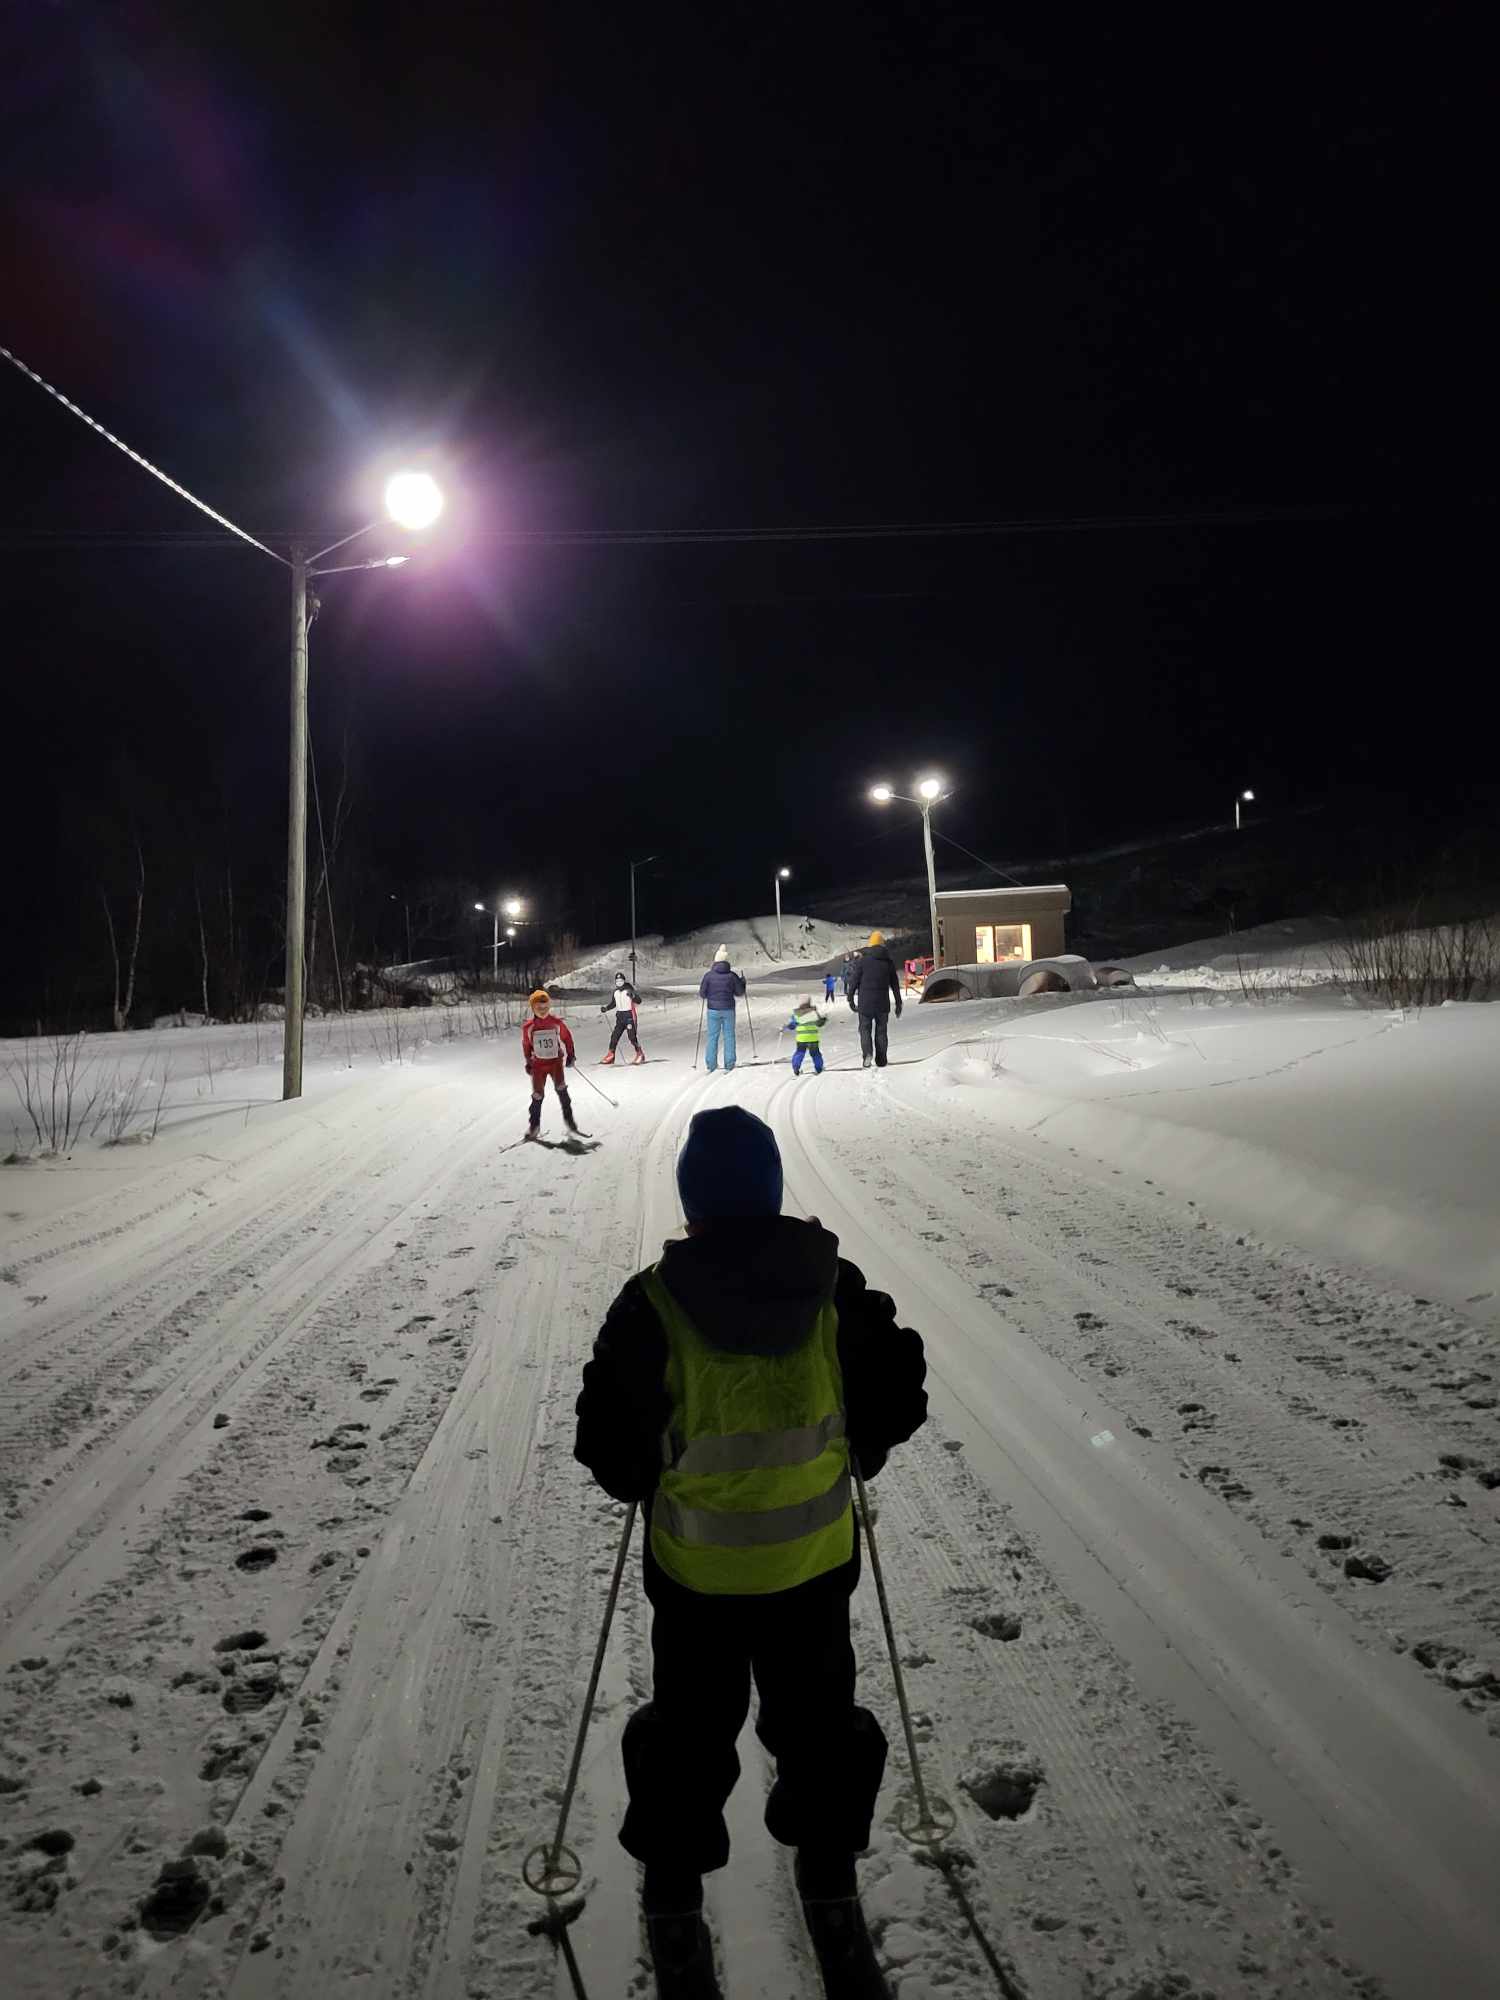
{"type": "Point", "coordinates": [730, 1166]}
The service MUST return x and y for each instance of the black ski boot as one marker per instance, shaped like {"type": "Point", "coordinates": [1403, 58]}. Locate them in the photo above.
{"type": "Point", "coordinates": [567, 1111]}
{"type": "Point", "coordinates": [836, 1925]}
{"type": "Point", "coordinates": [682, 1954]}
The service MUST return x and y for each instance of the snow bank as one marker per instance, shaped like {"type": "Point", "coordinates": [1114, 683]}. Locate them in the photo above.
{"type": "Point", "coordinates": [808, 944]}
{"type": "Point", "coordinates": [1372, 1136]}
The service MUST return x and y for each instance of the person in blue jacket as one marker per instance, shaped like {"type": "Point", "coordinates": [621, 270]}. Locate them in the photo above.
{"type": "Point", "coordinates": [719, 988]}
{"type": "Point", "coordinates": [828, 985]}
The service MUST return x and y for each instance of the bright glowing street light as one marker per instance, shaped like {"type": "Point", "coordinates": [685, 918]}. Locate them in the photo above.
{"type": "Point", "coordinates": [781, 875]}
{"type": "Point", "coordinates": [1249, 799]}
{"type": "Point", "coordinates": [413, 499]}
{"type": "Point", "coordinates": [511, 908]}
{"type": "Point", "coordinates": [929, 792]}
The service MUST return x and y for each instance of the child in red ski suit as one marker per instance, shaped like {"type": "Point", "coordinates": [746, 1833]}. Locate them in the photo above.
{"type": "Point", "coordinates": [547, 1045]}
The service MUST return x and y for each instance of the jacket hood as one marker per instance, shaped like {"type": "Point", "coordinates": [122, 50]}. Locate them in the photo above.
{"type": "Point", "coordinates": [753, 1286]}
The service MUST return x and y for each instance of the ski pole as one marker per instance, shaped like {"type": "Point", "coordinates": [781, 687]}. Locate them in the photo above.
{"type": "Point", "coordinates": [935, 1819]}
{"type": "Point", "coordinates": [560, 1869]}
{"type": "Point", "coordinates": [702, 1007]}
{"type": "Point", "coordinates": [594, 1086]}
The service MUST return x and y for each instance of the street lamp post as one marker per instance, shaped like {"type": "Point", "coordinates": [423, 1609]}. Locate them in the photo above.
{"type": "Point", "coordinates": [512, 908]}
{"type": "Point", "coordinates": [633, 866]}
{"type": "Point", "coordinates": [412, 500]}
{"type": "Point", "coordinates": [781, 875]}
{"type": "Point", "coordinates": [1249, 799]}
{"type": "Point", "coordinates": [929, 793]}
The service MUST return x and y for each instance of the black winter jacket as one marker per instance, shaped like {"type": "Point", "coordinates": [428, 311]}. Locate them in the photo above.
{"type": "Point", "coordinates": [875, 982]}
{"type": "Point", "coordinates": [720, 986]}
{"type": "Point", "coordinates": [752, 1287]}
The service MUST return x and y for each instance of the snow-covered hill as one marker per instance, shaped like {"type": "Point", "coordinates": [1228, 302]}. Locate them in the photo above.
{"type": "Point", "coordinates": [808, 944]}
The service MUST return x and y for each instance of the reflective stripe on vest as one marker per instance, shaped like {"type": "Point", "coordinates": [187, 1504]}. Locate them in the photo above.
{"type": "Point", "coordinates": [808, 1028]}
{"type": "Point", "coordinates": [749, 1502]}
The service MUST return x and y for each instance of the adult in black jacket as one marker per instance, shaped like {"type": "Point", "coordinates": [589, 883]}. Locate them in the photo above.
{"type": "Point", "coordinates": [875, 985]}
{"type": "Point", "coordinates": [754, 1284]}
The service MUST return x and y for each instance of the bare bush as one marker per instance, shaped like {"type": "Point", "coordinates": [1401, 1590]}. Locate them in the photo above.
{"type": "Point", "coordinates": [1392, 956]}
{"type": "Point", "coordinates": [55, 1090]}
{"type": "Point", "coordinates": [125, 1101]}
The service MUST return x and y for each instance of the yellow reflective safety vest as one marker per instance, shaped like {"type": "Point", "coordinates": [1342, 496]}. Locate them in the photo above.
{"type": "Point", "coordinates": [754, 1489]}
{"type": "Point", "coordinates": [809, 1027]}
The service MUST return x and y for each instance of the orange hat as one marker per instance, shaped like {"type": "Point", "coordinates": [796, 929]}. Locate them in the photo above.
{"type": "Point", "coordinates": [541, 997]}
{"type": "Point", "coordinates": [876, 937]}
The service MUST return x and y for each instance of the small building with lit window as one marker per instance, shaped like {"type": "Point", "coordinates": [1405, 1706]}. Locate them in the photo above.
{"type": "Point", "coordinates": [1002, 926]}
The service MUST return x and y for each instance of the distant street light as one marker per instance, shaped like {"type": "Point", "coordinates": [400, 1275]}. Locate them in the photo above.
{"type": "Point", "coordinates": [1249, 799]}
{"type": "Point", "coordinates": [413, 500]}
{"type": "Point", "coordinates": [930, 792]}
{"type": "Point", "coordinates": [781, 875]}
{"type": "Point", "coordinates": [512, 908]}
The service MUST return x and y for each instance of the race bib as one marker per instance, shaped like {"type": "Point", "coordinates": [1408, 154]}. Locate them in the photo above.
{"type": "Point", "coordinates": [546, 1044]}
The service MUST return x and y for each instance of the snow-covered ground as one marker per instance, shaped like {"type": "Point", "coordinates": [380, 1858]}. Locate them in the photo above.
{"type": "Point", "coordinates": [1194, 1566]}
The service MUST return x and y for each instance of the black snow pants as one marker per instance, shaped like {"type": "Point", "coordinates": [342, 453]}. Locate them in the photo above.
{"type": "Point", "coordinates": [624, 1025]}
{"type": "Point", "coordinates": [876, 1029]}
{"type": "Point", "coordinates": [680, 1760]}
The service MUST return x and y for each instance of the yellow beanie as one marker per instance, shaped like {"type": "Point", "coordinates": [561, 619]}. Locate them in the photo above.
{"type": "Point", "coordinates": [876, 938]}
{"type": "Point", "coordinates": [541, 997]}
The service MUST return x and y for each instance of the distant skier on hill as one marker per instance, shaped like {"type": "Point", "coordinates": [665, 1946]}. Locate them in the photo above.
{"type": "Point", "coordinates": [625, 1001]}
{"type": "Point", "coordinates": [828, 985]}
{"type": "Point", "coordinates": [718, 989]}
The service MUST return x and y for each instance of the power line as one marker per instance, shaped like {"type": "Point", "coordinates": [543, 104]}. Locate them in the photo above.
{"type": "Point", "coordinates": [603, 538]}
{"type": "Point", "coordinates": [120, 445]}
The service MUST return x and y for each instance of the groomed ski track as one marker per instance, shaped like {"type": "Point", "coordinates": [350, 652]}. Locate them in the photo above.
{"type": "Point", "coordinates": [1238, 1782]}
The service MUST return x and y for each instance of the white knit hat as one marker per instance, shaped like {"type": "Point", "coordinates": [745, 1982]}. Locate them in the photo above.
{"type": "Point", "coordinates": [721, 956]}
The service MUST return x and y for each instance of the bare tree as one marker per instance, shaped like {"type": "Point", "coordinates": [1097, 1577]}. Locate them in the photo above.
{"type": "Point", "coordinates": [202, 941]}
{"type": "Point", "coordinates": [122, 1011]}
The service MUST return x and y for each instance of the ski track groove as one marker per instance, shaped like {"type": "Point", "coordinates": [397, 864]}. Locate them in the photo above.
{"type": "Point", "coordinates": [1266, 1415]}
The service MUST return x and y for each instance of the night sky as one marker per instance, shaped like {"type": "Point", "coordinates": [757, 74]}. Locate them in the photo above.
{"type": "Point", "coordinates": [722, 268]}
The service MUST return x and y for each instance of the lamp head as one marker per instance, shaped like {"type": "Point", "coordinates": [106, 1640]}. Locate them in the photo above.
{"type": "Point", "coordinates": [479, 906]}
{"type": "Point", "coordinates": [413, 499]}
{"type": "Point", "coordinates": [930, 788]}
{"type": "Point", "coordinates": [1248, 796]}
{"type": "Point", "coordinates": [513, 907]}
{"type": "Point", "coordinates": [881, 794]}
{"type": "Point", "coordinates": [785, 874]}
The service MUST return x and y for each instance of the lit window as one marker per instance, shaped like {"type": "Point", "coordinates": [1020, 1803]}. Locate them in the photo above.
{"type": "Point", "coordinates": [994, 943]}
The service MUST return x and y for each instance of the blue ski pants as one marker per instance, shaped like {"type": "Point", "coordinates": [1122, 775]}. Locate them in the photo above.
{"type": "Point", "coordinates": [720, 1023]}
{"type": "Point", "coordinates": [807, 1049]}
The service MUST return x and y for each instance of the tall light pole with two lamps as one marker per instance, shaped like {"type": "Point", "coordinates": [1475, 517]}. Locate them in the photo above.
{"type": "Point", "coordinates": [511, 908]}
{"type": "Point", "coordinates": [413, 500]}
{"type": "Point", "coordinates": [930, 792]}
{"type": "Point", "coordinates": [781, 875]}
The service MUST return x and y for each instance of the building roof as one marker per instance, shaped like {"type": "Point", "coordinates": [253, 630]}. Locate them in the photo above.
{"type": "Point", "coordinates": [1016, 895]}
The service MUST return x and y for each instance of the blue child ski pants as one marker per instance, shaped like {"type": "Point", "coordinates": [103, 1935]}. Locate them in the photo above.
{"type": "Point", "coordinates": [807, 1049]}
{"type": "Point", "coordinates": [720, 1022]}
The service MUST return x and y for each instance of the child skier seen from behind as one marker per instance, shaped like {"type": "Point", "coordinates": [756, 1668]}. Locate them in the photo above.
{"type": "Point", "coordinates": [730, 1386]}
{"type": "Point", "coordinates": [807, 1024]}
{"type": "Point", "coordinates": [547, 1046]}
{"type": "Point", "coordinates": [624, 1001]}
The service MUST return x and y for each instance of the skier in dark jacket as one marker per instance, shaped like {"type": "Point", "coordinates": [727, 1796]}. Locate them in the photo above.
{"type": "Point", "coordinates": [728, 1389]}
{"type": "Point", "coordinates": [876, 983]}
{"type": "Point", "coordinates": [718, 989]}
